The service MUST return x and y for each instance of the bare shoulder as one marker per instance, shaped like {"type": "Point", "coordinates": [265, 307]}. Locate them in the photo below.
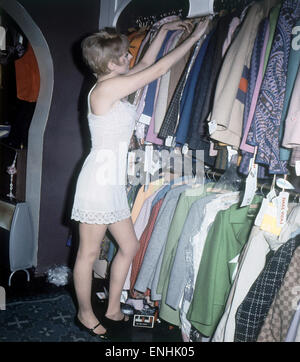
{"type": "Point", "coordinates": [102, 98]}
{"type": "Point", "coordinates": [112, 90]}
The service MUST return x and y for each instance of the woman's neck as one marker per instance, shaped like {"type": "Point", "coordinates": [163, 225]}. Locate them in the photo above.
{"type": "Point", "coordinates": [105, 77]}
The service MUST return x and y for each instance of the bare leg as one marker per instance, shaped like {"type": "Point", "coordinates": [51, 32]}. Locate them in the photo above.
{"type": "Point", "coordinates": [124, 234]}
{"type": "Point", "coordinates": [89, 250]}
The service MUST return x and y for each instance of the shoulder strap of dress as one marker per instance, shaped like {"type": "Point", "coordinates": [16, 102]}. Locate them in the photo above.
{"type": "Point", "coordinates": [88, 98]}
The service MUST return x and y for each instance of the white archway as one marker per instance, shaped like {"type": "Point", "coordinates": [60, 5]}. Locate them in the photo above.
{"type": "Point", "coordinates": [38, 124]}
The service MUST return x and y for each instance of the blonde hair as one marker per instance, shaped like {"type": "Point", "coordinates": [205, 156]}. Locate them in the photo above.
{"type": "Point", "coordinates": [100, 48]}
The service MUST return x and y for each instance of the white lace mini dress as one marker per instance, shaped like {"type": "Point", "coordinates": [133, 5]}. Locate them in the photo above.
{"type": "Point", "coordinates": [100, 196]}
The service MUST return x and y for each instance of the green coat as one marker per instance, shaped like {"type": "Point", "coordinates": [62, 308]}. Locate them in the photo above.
{"type": "Point", "coordinates": [225, 240]}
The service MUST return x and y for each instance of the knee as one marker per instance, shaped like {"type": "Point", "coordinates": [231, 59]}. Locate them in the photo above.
{"type": "Point", "coordinates": [88, 255]}
{"type": "Point", "coordinates": [131, 249]}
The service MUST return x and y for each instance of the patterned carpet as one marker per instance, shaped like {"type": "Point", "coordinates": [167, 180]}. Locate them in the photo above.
{"type": "Point", "coordinates": [46, 318]}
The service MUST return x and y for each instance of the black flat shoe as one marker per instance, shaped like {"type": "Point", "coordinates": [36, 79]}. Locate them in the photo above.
{"type": "Point", "coordinates": [112, 324]}
{"type": "Point", "coordinates": [81, 326]}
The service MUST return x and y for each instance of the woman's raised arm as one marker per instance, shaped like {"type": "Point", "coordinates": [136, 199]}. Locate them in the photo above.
{"type": "Point", "coordinates": [122, 85]}
{"type": "Point", "coordinates": [151, 54]}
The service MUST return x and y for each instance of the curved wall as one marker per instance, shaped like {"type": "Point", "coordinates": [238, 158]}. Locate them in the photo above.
{"type": "Point", "coordinates": [40, 117]}
{"type": "Point", "coordinates": [58, 136]}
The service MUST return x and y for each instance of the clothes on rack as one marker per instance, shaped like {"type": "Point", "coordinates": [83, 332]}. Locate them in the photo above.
{"type": "Point", "coordinates": [221, 93]}
{"type": "Point", "coordinates": [227, 109]}
{"type": "Point", "coordinates": [251, 264]}
{"type": "Point", "coordinates": [266, 122]}
{"type": "Point", "coordinates": [162, 99]}
{"type": "Point", "coordinates": [158, 238]}
{"type": "Point", "coordinates": [27, 76]}
{"type": "Point", "coordinates": [140, 214]}
{"type": "Point", "coordinates": [278, 320]}
{"type": "Point", "coordinates": [223, 245]}
{"type": "Point", "coordinates": [206, 82]}
{"type": "Point", "coordinates": [253, 310]}
{"type": "Point", "coordinates": [207, 263]}
{"type": "Point", "coordinates": [213, 269]}
{"type": "Point", "coordinates": [182, 276]}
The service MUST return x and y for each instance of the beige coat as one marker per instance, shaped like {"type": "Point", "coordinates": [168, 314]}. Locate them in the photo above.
{"type": "Point", "coordinates": [227, 113]}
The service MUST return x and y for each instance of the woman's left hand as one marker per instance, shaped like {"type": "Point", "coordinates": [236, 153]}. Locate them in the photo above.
{"type": "Point", "coordinates": [179, 25]}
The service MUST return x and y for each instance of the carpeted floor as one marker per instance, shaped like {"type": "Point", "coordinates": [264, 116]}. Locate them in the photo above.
{"type": "Point", "coordinates": [42, 319]}
{"type": "Point", "coordinates": [37, 311]}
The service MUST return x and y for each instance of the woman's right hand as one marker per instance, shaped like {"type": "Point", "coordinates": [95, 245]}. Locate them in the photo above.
{"type": "Point", "coordinates": [201, 28]}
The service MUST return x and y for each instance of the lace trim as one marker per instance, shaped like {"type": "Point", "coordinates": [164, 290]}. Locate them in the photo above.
{"type": "Point", "coordinates": [94, 217]}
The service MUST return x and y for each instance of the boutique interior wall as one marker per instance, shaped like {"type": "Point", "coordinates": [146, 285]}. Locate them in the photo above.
{"type": "Point", "coordinates": [64, 140]}
{"type": "Point", "coordinates": [58, 136]}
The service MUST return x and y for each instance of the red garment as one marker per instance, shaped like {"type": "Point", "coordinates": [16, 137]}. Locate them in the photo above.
{"type": "Point", "coordinates": [144, 240]}
{"type": "Point", "coordinates": [27, 76]}
{"type": "Point", "coordinates": [135, 40]}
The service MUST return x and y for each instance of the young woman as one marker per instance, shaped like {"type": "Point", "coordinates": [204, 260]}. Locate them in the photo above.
{"type": "Point", "coordinates": [100, 199]}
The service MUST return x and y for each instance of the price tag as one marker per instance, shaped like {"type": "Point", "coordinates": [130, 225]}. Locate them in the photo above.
{"type": "Point", "coordinates": [168, 141]}
{"type": "Point", "coordinates": [173, 142]}
{"type": "Point", "coordinates": [297, 168]}
{"type": "Point", "coordinates": [251, 184]}
{"type": "Point", "coordinates": [269, 221]}
{"type": "Point", "coordinates": [185, 149]}
{"type": "Point", "coordinates": [145, 119]}
{"type": "Point", "coordinates": [131, 164]}
{"type": "Point", "coordinates": [282, 208]}
{"type": "Point", "coordinates": [284, 184]}
{"type": "Point", "coordinates": [212, 127]}
{"type": "Point", "coordinates": [148, 158]}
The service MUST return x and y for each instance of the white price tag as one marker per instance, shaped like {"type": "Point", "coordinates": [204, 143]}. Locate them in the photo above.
{"type": "Point", "coordinates": [168, 141]}
{"type": "Point", "coordinates": [284, 184]}
{"type": "Point", "coordinates": [148, 158]}
{"type": "Point", "coordinates": [297, 168]}
{"type": "Point", "coordinates": [282, 208]}
{"type": "Point", "coordinates": [145, 119]}
{"type": "Point", "coordinates": [212, 127]}
{"type": "Point", "coordinates": [251, 185]}
{"type": "Point", "coordinates": [131, 164]}
{"type": "Point", "coordinates": [185, 149]}
{"type": "Point", "coordinates": [173, 142]}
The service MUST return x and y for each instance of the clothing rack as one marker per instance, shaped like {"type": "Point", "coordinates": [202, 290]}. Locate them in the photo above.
{"type": "Point", "coordinates": [140, 14]}
{"type": "Point", "coordinates": [147, 21]}
{"type": "Point", "coordinates": [209, 173]}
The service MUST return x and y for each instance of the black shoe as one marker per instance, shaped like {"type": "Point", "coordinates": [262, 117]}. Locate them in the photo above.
{"type": "Point", "coordinates": [80, 325]}
{"type": "Point", "coordinates": [111, 324]}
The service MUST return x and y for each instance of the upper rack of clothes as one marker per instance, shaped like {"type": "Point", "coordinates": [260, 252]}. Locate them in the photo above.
{"type": "Point", "coordinates": [237, 89]}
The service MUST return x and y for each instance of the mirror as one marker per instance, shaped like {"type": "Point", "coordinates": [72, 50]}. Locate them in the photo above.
{"type": "Point", "coordinates": [19, 90]}
{"type": "Point", "coordinates": [20, 83]}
